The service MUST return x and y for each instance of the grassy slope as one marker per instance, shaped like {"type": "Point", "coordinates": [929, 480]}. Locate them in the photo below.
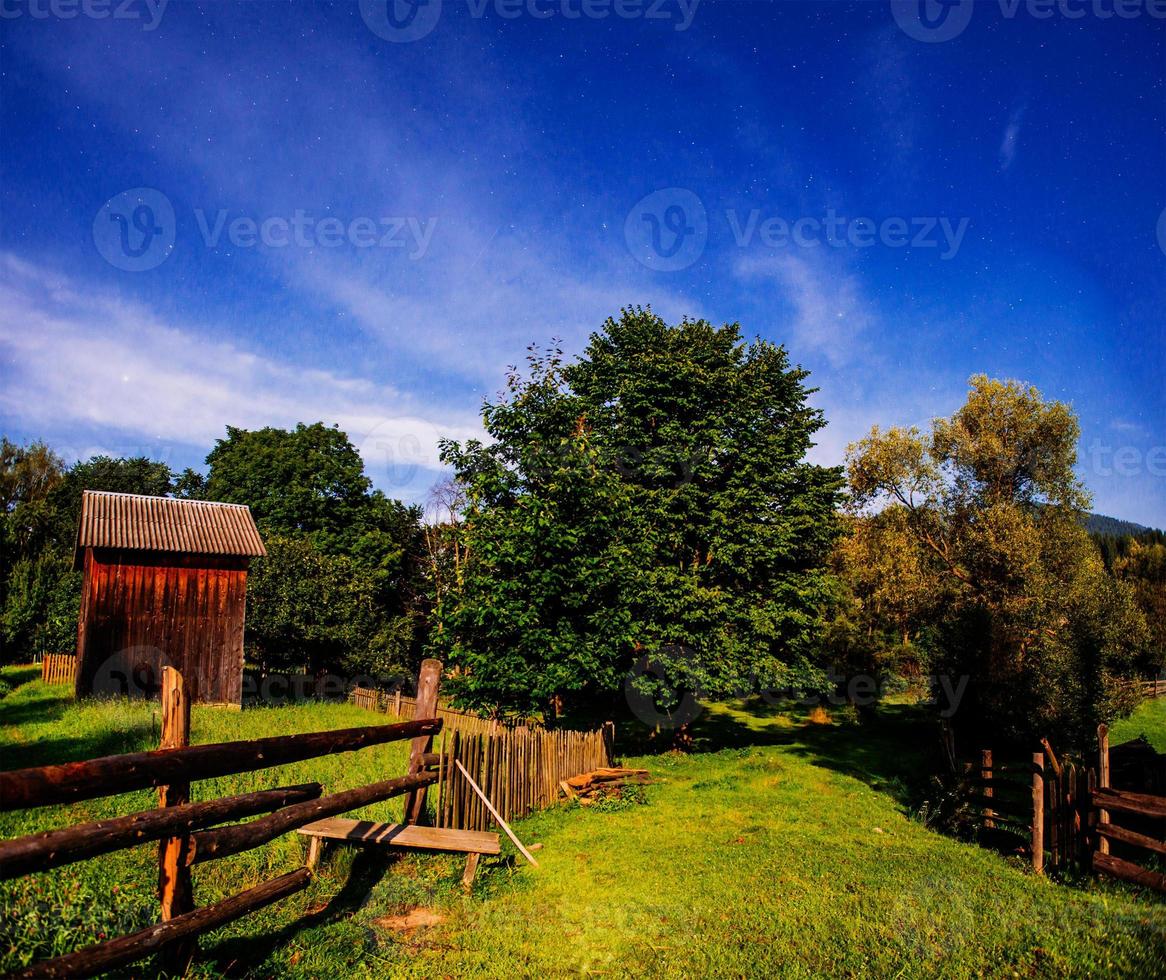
{"type": "Point", "coordinates": [1148, 720]}
{"type": "Point", "coordinates": [787, 852]}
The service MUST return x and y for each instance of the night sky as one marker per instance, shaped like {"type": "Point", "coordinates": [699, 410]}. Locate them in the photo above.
{"type": "Point", "coordinates": [260, 213]}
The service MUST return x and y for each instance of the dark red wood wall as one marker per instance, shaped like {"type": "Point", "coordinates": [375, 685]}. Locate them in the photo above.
{"type": "Point", "coordinates": [141, 611]}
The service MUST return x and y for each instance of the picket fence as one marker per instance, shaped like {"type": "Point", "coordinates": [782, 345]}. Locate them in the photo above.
{"type": "Point", "coordinates": [520, 768]}
{"type": "Point", "coordinates": [402, 706]}
{"type": "Point", "coordinates": [58, 668]}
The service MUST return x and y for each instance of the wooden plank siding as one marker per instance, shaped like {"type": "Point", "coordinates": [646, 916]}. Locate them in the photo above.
{"type": "Point", "coordinates": [142, 611]}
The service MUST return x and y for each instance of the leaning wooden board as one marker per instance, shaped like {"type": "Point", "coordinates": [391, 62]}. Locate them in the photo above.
{"type": "Point", "coordinates": [404, 835]}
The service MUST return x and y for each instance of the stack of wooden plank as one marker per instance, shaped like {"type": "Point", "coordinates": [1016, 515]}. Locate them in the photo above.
{"type": "Point", "coordinates": [598, 783]}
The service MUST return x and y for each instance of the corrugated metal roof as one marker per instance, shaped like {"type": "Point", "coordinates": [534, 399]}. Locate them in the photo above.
{"type": "Point", "coordinates": [140, 523]}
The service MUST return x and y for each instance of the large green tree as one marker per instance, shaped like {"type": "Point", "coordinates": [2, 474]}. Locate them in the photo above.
{"type": "Point", "coordinates": [990, 507]}
{"type": "Point", "coordinates": [646, 508]}
{"type": "Point", "coordinates": [324, 524]}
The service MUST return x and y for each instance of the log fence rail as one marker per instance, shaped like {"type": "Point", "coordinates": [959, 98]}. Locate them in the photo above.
{"type": "Point", "coordinates": [188, 833]}
{"type": "Point", "coordinates": [1069, 815]}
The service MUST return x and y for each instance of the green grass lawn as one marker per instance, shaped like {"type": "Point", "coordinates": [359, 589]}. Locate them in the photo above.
{"type": "Point", "coordinates": [776, 848]}
{"type": "Point", "coordinates": [1149, 720]}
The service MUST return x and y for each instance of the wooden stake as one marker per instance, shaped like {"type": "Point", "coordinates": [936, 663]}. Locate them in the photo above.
{"type": "Point", "coordinates": [1052, 756]}
{"type": "Point", "coordinates": [175, 889]}
{"type": "Point", "coordinates": [472, 860]}
{"type": "Point", "coordinates": [986, 775]}
{"type": "Point", "coordinates": [501, 823]}
{"type": "Point", "coordinates": [1103, 779]}
{"type": "Point", "coordinates": [1038, 815]}
{"type": "Point", "coordinates": [427, 684]}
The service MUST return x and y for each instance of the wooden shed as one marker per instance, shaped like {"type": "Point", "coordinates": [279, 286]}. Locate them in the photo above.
{"type": "Point", "coordinates": [165, 585]}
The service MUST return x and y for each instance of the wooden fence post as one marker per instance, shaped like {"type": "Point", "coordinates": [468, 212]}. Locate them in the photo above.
{"type": "Point", "coordinates": [1038, 815]}
{"type": "Point", "coordinates": [1088, 820]}
{"type": "Point", "coordinates": [426, 707]}
{"type": "Point", "coordinates": [175, 891]}
{"type": "Point", "coordinates": [1103, 779]}
{"type": "Point", "coordinates": [986, 776]}
{"type": "Point", "coordinates": [609, 742]}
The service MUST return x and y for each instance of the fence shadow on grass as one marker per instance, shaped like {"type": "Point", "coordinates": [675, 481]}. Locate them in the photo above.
{"type": "Point", "coordinates": [240, 956]}
{"type": "Point", "coordinates": [21, 674]}
{"type": "Point", "coordinates": [134, 737]}
{"type": "Point", "coordinates": [47, 704]}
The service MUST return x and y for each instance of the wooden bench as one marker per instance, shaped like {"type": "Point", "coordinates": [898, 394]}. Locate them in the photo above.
{"type": "Point", "coordinates": [472, 843]}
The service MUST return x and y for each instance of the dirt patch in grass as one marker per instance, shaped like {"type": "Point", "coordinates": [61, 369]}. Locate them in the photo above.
{"type": "Point", "coordinates": [411, 921]}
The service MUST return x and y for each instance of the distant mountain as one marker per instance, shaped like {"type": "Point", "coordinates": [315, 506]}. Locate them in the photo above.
{"type": "Point", "coordinates": [1112, 526]}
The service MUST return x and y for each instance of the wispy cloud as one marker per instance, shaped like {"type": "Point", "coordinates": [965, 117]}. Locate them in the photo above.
{"type": "Point", "coordinates": [828, 312]}
{"type": "Point", "coordinates": [1008, 145]}
{"type": "Point", "coordinates": [83, 360]}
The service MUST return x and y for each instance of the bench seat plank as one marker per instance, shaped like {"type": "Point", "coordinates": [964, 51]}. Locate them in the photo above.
{"type": "Point", "coordinates": [404, 835]}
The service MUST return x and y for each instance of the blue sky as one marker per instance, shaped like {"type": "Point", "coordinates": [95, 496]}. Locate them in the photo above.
{"type": "Point", "coordinates": [265, 212]}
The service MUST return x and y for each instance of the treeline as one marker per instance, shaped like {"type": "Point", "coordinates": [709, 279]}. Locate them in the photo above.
{"type": "Point", "coordinates": [342, 587]}
{"type": "Point", "coordinates": [644, 529]}
{"type": "Point", "coordinates": [1140, 561]}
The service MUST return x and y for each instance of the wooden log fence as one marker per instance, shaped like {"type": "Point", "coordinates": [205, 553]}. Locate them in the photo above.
{"type": "Point", "coordinates": [1068, 813]}
{"type": "Point", "coordinates": [53, 848]}
{"type": "Point", "coordinates": [1154, 688]}
{"type": "Point", "coordinates": [71, 782]}
{"type": "Point", "coordinates": [1107, 806]}
{"type": "Point", "coordinates": [186, 831]}
{"type": "Point", "coordinates": [206, 845]}
{"type": "Point", "coordinates": [119, 952]}
{"type": "Point", "coordinates": [58, 668]}
{"type": "Point", "coordinates": [1002, 796]}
